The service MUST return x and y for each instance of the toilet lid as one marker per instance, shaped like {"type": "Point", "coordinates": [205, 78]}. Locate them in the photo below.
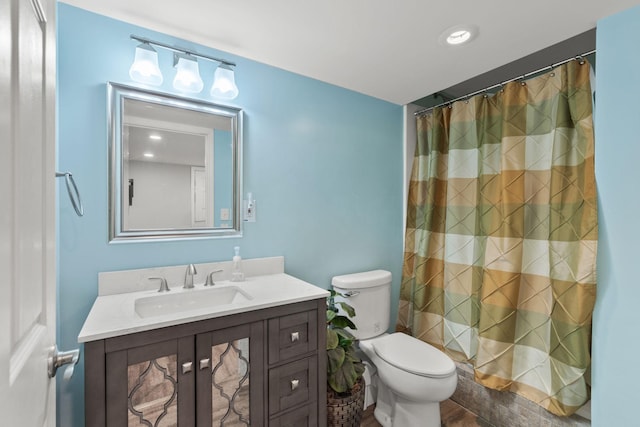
{"type": "Point", "coordinates": [412, 355]}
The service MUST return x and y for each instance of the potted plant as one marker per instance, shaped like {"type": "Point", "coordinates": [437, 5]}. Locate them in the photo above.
{"type": "Point", "coordinates": [345, 392]}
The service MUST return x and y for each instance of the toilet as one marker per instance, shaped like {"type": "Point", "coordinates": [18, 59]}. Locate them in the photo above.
{"type": "Point", "coordinates": [413, 377]}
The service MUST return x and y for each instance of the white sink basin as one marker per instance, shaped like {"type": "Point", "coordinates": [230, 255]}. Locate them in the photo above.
{"type": "Point", "coordinates": [189, 300]}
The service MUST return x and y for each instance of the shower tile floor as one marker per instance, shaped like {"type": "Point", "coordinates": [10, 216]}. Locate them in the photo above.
{"type": "Point", "coordinates": [451, 414]}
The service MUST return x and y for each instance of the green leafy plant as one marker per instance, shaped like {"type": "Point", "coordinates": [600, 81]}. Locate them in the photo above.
{"type": "Point", "coordinates": [344, 367]}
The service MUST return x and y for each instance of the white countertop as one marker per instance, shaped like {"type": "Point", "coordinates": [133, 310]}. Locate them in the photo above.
{"type": "Point", "coordinates": [114, 315]}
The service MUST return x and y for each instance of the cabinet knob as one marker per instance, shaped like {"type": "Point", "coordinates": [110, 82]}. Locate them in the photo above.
{"type": "Point", "coordinates": [204, 363]}
{"type": "Point", "coordinates": [186, 367]}
{"type": "Point", "coordinates": [294, 384]}
{"type": "Point", "coordinates": [295, 336]}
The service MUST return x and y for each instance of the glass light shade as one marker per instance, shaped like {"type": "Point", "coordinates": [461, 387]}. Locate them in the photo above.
{"type": "Point", "coordinates": [187, 77]}
{"type": "Point", "coordinates": [224, 83]}
{"type": "Point", "coordinates": [145, 67]}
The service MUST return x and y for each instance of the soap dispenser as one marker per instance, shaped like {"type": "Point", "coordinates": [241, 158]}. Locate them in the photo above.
{"type": "Point", "coordinates": [237, 275]}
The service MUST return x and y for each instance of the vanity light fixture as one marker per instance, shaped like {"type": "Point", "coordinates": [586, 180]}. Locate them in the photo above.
{"type": "Point", "coordinates": [145, 67]}
{"type": "Point", "coordinates": [224, 83]}
{"type": "Point", "coordinates": [187, 77]}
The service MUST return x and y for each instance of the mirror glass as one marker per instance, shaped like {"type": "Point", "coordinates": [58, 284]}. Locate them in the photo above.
{"type": "Point", "coordinates": [175, 166]}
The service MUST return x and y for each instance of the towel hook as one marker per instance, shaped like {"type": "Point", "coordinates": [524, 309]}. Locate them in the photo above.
{"type": "Point", "coordinates": [72, 189]}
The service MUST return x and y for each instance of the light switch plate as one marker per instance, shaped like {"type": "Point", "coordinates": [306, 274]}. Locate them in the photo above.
{"type": "Point", "coordinates": [249, 211]}
{"type": "Point", "coordinates": [224, 214]}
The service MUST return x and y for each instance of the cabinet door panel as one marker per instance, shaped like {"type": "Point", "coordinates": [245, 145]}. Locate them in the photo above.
{"type": "Point", "coordinates": [230, 383]}
{"type": "Point", "coordinates": [147, 386]}
{"type": "Point", "coordinates": [153, 392]}
{"type": "Point", "coordinates": [226, 378]}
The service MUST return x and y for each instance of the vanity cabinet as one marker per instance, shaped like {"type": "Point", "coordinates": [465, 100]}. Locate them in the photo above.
{"type": "Point", "coordinates": [260, 368]}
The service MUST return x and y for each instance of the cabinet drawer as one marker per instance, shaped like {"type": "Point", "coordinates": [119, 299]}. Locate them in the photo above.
{"type": "Point", "coordinates": [292, 335]}
{"type": "Point", "coordinates": [293, 384]}
{"type": "Point", "coordinates": [305, 416]}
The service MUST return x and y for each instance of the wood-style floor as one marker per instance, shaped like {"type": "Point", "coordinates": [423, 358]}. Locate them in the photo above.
{"type": "Point", "coordinates": [452, 415]}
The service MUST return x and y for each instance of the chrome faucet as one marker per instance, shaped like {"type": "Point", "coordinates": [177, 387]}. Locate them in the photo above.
{"type": "Point", "coordinates": [188, 276]}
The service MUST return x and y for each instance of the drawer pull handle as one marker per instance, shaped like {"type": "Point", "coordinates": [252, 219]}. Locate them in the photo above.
{"type": "Point", "coordinates": [186, 367]}
{"type": "Point", "coordinates": [204, 363]}
{"type": "Point", "coordinates": [294, 384]}
{"type": "Point", "coordinates": [295, 336]}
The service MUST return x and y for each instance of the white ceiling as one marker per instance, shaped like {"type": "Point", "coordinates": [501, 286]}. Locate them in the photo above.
{"type": "Point", "coordinates": [383, 48]}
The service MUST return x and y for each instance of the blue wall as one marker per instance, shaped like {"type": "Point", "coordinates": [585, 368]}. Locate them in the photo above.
{"type": "Point", "coordinates": [616, 336]}
{"type": "Point", "coordinates": [324, 165]}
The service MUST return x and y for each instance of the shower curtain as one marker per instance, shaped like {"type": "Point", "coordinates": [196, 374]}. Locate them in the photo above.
{"type": "Point", "coordinates": [501, 237]}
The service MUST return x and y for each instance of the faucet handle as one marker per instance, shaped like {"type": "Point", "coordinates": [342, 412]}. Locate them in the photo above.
{"type": "Point", "coordinates": [163, 283]}
{"type": "Point", "coordinates": [209, 281]}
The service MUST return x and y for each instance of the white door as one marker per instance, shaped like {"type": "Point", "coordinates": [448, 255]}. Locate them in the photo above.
{"type": "Point", "coordinates": [27, 211]}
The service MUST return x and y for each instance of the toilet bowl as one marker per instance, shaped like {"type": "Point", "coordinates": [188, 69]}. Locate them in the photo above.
{"type": "Point", "coordinates": [413, 376]}
{"type": "Point", "coordinates": [418, 377]}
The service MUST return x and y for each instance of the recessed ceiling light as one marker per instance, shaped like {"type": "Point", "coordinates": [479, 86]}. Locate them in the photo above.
{"type": "Point", "coordinates": [458, 35]}
{"type": "Point", "coordinates": [155, 137]}
{"type": "Point", "coordinates": [148, 154]}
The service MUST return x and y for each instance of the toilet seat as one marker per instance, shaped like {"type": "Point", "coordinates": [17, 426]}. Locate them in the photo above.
{"type": "Point", "coordinates": [412, 355]}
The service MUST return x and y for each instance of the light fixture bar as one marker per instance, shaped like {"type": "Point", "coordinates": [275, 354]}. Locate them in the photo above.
{"type": "Point", "coordinates": [182, 50]}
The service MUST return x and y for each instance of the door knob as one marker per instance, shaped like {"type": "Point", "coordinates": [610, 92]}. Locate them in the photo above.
{"type": "Point", "coordinates": [58, 358]}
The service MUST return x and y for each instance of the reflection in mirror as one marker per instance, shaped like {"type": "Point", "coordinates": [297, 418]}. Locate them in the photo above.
{"type": "Point", "coordinates": [175, 166]}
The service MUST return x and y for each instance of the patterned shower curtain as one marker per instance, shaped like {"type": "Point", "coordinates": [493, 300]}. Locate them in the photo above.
{"type": "Point", "coordinates": [501, 238]}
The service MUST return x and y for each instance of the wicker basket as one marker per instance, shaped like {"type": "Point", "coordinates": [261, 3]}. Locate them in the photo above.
{"type": "Point", "coordinates": [346, 411]}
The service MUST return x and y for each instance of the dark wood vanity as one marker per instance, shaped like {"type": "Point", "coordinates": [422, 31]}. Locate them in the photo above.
{"type": "Point", "coordinates": [264, 367]}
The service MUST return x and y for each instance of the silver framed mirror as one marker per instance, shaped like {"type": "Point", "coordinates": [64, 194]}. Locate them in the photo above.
{"type": "Point", "coordinates": [175, 166]}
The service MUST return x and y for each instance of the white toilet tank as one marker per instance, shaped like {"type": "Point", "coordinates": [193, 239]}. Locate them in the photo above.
{"type": "Point", "coordinates": [369, 293]}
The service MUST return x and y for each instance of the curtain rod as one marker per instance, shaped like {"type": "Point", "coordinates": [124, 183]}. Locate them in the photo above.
{"type": "Point", "coordinates": [524, 76]}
